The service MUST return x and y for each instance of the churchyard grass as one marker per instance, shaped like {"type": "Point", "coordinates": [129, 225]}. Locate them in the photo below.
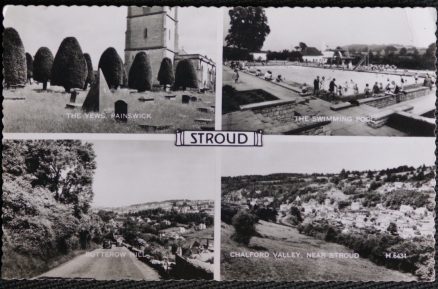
{"type": "Point", "coordinates": [46, 112]}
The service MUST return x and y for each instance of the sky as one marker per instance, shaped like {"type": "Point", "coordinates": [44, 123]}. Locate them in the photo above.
{"type": "Point", "coordinates": [133, 172]}
{"type": "Point", "coordinates": [329, 155]}
{"type": "Point", "coordinates": [322, 27]}
{"type": "Point", "coordinates": [98, 28]}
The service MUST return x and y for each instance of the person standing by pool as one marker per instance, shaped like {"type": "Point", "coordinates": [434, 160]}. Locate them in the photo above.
{"type": "Point", "coordinates": [428, 82]}
{"type": "Point", "coordinates": [355, 88]}
{"type": "Point", "coordinates": [397, 93]}
{"type": "Point", "coordinates": [376, 89]}
{"type": "Point", "coordinates": [346, 87]}
{"type": "Point", "coordinates": [332, 87]}
{"type": "Point", "coordinates": [236, 76]}
{"type": "Point", "coordinates": [367, 90]}
{"type": "Point", "coordinates": [381, 87]}
{"type": "Point", "coordinates": [316, 86]}
{"type": "Point", "coordinates": [388, 86]}
{"type": "Point", "coordinates": [322, 84]}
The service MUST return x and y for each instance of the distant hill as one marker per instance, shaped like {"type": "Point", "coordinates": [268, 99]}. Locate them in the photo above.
{"type": "Point", "coordinates": [168, 204]}
{"type": "Point", "coordinates": [283, 186]}
{"type": "Point", "coordinates": [376, 47]}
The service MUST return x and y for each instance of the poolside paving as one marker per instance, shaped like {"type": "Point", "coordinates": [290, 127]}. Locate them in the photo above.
{"type": "Point", "coordinates": [249, 120]}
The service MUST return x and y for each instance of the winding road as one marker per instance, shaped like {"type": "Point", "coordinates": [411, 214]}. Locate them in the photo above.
{"type": "Point", "coordinates": [117, 263]}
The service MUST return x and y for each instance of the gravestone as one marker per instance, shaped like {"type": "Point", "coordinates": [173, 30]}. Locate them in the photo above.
{"type": "Point", "coordinates": [205, 109]}
{"type": "Point", "coordinates": [193, 98]}
{"type": "Point", "coordinates": [185, 98]}
{"type": "Point", "coordinates": [144, 99]}
{"type": "Point", "coordinates": [209, 128]}
{"type": "Point", "coordinates": [170, 96]}
{"type": "Point", "coordinates": [121, 111]}
{"type": "Point", "coordinates": [154, 128]}
{"type": "Point", "coordinates": [99, 96]}
{"type": "Point", "coordinates": [73, 96]}
{"type": "Point", "coordinates": [203, 120]}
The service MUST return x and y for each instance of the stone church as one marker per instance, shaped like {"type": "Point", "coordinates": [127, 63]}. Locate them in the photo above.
{"type": "Point", "coordinates": [154, 30]}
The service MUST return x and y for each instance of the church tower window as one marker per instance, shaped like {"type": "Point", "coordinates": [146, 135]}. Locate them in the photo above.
{"type": "Point", "coordinates": [145, 33]}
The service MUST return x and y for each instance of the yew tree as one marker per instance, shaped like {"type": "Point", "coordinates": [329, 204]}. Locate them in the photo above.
{"type": "Point", "coordinates": [165, 74]}
{"type": "Point", "coordinates": [185, 75]}
{"type": "Point", "coordinates": [14, 58]}
{"type": "Point", "coordinates": [111, 66]}
{"type": "Point", "coordinates": [140, 74]}
{"type": "Point", "coordinates": [69, 66]}
{"type": "Point", "coordinates": [42, 66]}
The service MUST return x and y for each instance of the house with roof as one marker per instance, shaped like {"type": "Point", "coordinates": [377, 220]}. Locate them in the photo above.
{"type": "Point", "coordinates": [312, 54]}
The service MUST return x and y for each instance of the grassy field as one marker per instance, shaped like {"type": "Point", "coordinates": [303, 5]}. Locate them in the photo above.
{"type": "Point", "coordinates": [207, 233]}
{"type": "Point", "coordinates": [279, 238]}
{"type": "Point", "coordinates": [46, 112]}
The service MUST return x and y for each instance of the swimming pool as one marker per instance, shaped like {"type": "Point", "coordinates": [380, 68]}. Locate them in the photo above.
{"type": "Point", "coordinates": [302, 74]}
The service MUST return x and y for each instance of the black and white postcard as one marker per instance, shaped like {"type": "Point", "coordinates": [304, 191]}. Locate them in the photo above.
{"type": "Point", "coordinates": [330, 71]}
{"type": "Point", "coordinates": [341, 210]}
{"type": "Point", "coordinates": [81, 69]}
{"type": "Point", "coordinates": [107, 210]}
{"type": "Point", "coordinates": [230, 143]}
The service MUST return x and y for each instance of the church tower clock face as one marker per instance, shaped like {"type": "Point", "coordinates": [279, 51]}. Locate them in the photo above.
{"type": "Point", "coordinates": [153, 30]}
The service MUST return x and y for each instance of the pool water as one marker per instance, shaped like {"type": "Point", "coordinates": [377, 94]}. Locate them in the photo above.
{"type": "Point", "coordinates": [345, 78]}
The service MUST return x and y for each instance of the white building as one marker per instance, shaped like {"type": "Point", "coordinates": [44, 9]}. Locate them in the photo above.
{"type": "Point", "coordinates": [259, 56]}
{"type": "Point", "coordinates": [314, 58]}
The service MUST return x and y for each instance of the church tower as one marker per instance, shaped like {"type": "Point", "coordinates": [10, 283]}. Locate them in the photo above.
{"type": "Point", "coordinates": [153, 30]}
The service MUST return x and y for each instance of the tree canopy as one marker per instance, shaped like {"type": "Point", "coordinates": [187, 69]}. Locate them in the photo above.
{"type": "Point", "coordinates": [47, 192]}
{"type": "Point", "coordinates": [112, 67]}
{"type": "Point", "coordinates": [64, 167]}
{"type": "Point", "coordinates": [90, 72]}
{"type": "Point", "coordinates": [42, 65]}
{"type": "Point", "coordinates": [390, 49]}
{"type": "Point", "coordinates": [140, 74]}
{"type": "Point", "coordinates": [29, 65]}
{"type": "Point", "coordinates": [165, 74]}
{"type": "Point", "coordinates": [185, 75]}
{"type": "Point", "coordinates": [248, 28]}
{"type": "Point", "coordinates": [244, 226]}
{"type": "Point", "coordinates": [302, 46]}
{"type": "Point", "coordinates": [69, 66]}
{"type": "Point", "coordinates": [14, 58]}
{"type": "Point", "coordinates": [311, 51]}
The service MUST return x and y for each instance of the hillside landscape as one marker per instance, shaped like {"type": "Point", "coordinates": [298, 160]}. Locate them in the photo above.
{"type": "Point", "coordinates": [51, 230]}
{"type": "Point", "coordinates": [385, 216]}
